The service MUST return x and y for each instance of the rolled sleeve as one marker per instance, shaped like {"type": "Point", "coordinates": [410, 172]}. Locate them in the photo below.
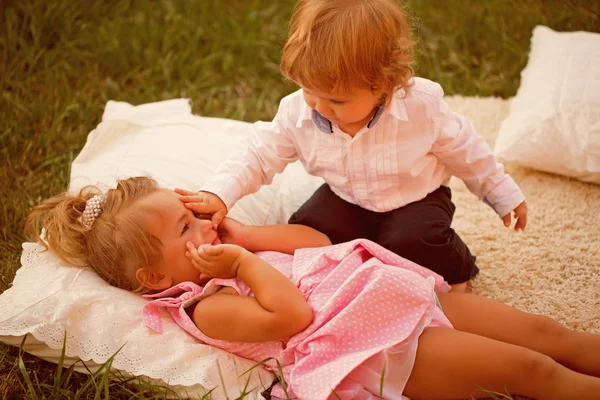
{"type": "Point", "coordinates": [505, 197]}
{"type": "Point", "coordinates": [228, 188]}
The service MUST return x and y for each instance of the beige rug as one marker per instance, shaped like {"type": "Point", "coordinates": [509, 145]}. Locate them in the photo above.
{"type": "Point", "coordinates": [553, 268]}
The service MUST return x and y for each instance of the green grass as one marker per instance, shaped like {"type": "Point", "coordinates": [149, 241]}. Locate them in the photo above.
{"type": "Point", "coordinates": [60, 61]}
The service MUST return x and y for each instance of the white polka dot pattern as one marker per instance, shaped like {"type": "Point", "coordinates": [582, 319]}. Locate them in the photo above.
{"type": "Point", "coordinates": [365, 299]}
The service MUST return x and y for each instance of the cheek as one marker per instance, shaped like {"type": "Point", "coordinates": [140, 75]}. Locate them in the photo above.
{"type": "Point", "coordinates": [360, 111]}
{"type": "Point", "coordinates": [343, 112]}
{"type": "Point", "coordinates": [309, 100]}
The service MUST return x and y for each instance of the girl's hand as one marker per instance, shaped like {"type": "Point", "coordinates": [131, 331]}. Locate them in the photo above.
{"type": "Point", "coordinates": [220, 261]}
{"type": "Point", "coordinates": [204, 203]}
{"type": "Point", "coordinates": [232, 232]}
{"type": "Point", "coordinates": [520, 216]}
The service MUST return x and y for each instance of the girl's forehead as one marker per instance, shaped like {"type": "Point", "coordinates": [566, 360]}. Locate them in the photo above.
{"type": "Point", "coordinates": [164, 208]}
{"type": "Point", "coordinates": [161, 201]}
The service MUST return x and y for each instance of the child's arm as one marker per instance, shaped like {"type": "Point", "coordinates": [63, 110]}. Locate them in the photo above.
{"type": "Point", "coordinates": [468, 157]}
{"type": "Point", "coordinates": [266, 152]}
{"type": "Point", "coordinates": [281, 238]}
{"type": "Point", "coordinates": [277, 311]}
{"type": "Point", "coordinates": [284, 238]}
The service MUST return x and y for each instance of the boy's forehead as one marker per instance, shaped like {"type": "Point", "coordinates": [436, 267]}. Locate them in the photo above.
{"type": "Point", "coordinates": [331, 93]}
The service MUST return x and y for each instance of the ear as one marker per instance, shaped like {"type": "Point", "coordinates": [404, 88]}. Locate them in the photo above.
{"type": "Point", "coordinates": [152, 279]}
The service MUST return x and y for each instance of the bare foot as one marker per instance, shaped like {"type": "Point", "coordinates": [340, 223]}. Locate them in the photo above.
{"type": "Point", "coordinates": [459, 288]}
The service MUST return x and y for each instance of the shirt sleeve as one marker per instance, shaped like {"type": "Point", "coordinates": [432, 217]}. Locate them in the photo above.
{"type": "Point", "coordinates": [468, 157]}
{"type": "Point", "coordinates": [265, 153]}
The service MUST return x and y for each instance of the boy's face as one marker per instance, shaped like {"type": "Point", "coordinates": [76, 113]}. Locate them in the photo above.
{"type": "Point", "coordinates": [175, 225]}
{"type": "Point", "coordinates": [350, 110]}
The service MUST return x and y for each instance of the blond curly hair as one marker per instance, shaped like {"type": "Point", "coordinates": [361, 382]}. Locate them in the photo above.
{"type": "Point", "coordinates": [116, 245]}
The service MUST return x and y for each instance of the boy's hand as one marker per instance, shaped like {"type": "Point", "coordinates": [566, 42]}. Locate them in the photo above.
{"type": "Point", "coordinates": [204, 203]}
{"type": "Point", "coordinates": [232, 232]}
{"type": "Point", "coordinates": [220, 261]}
{"type": "Point", "coordinates": [520, 216]}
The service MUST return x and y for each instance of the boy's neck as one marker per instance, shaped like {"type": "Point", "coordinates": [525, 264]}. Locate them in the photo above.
{"type": "Point", "coordinates": [353, 128]}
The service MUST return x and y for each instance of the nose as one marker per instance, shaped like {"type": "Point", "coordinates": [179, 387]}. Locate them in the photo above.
{"type": "Point", "coordinates": [205, 225]}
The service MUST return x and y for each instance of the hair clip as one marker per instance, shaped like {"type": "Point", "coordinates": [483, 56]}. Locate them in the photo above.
{"type": "Point", "coordinates": [93, 209]}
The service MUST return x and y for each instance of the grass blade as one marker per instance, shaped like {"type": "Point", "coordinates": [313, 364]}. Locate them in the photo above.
{"type": "Point", "coordinates": [382, 379]}
{"type": "Point", "coordinates": [24, 373]}
{"type": "Point", "coordinates": [59, 368]}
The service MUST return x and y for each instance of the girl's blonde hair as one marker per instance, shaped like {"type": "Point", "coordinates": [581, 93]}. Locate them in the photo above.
{"type": "Point", "coordinates": [115, 245]}
{"type": "Point", "coordinates": [342, 44]}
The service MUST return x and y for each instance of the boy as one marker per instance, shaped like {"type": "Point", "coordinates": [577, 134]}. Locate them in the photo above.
{"type": "Point", "coordinates": [386, 143]}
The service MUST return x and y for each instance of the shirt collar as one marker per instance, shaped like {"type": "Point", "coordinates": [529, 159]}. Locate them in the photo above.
{"type": "Point", "coordinates": [396, 109]}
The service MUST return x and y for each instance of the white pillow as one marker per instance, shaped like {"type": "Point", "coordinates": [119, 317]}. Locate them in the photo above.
{"type": "Point", "coordinates": [554, 120]}
{"type": "Point", "coordinates": [165, 141]}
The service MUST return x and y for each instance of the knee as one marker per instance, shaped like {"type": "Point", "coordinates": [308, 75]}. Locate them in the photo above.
{"type": "Point", "coordinates": [529, 372]}
{"type": "Point", "coordinates": [538, 367]}
{"type": "Point", "coordinates": [546, 329]}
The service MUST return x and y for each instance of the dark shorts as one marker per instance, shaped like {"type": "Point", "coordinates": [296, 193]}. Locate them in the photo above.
{"type": "Point", "coordinates": [419, 231]}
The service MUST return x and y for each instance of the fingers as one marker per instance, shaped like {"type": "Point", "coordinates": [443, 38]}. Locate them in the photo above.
{"type": "Point", "coordinates": [199, 205]}
{"type": "Point", "coordinates": [521, 221]}
{"type": "Point", "coordinates": [217, 218]}
{"type": "Point", "coordinates": [184, 192]}
{"type": "Point", "coordinates": [204, 203]}
{"type": "Point", "coordinates": [506, 220]}
{"type": "Point", "coordinates": [211, 251]}
{"type": "Point", "coordinates": [521, 216]}
{"type": "Point", "coordinates": [192, 197]}
{"type": "Point", "coordinates": [204, 253]}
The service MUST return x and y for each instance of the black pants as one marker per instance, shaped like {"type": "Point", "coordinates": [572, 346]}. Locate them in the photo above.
{"type": "Point", "coordinates": [419, 231]}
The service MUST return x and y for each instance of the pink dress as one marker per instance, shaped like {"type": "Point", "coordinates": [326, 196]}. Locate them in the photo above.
{"type": "Point", "coordinates": [369, 305]}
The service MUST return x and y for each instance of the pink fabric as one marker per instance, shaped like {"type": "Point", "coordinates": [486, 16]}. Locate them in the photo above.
{"type": "Point", "coordinates": [417, 143]}
{"type": "Point", "coordinates": [365, 300]}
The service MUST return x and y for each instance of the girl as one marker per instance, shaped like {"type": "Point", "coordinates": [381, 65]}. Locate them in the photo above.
{"type": "Point", "coordinates": [385, 143]}
{"type": "Point", "coordinates": [352, 320]}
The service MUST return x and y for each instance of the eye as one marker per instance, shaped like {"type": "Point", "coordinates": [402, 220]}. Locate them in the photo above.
{"type": "Point", "coordinates": [185, 228]}
{"type": "Point", "coordinates": [337, 102]}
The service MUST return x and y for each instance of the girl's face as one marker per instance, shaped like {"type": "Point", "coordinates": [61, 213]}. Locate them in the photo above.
{"type": "Point", "coordinates": [350, 110]}
{"type": "Point", "coordinates": [175, 225]}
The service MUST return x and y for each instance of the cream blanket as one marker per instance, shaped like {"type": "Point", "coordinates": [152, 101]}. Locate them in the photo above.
{"type": "Point", "coordinates": [553, 268]}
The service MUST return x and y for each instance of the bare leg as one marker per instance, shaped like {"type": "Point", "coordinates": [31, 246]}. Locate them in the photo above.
{"type": "Point", "coordinates": [451, 364]}
{"type": "Point", "coordinates": [579, 351]}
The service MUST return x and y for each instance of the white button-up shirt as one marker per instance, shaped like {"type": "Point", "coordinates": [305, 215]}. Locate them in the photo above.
{"type": "Point", "coordinates": [407, 151]}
